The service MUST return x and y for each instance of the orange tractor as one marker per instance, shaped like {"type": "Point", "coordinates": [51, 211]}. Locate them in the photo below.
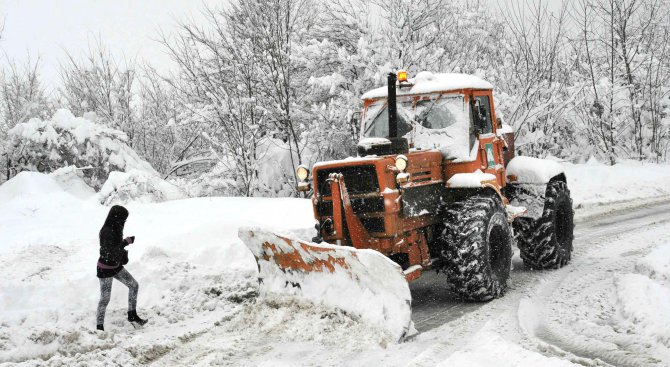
{"type": "Point", "coordinates": [436, 185]}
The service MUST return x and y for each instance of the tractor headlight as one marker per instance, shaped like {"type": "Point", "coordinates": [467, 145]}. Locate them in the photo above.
{"type": "Point", "coordinates": [302, 172]}
{"type": "Point", "coordinates": [401, 163]}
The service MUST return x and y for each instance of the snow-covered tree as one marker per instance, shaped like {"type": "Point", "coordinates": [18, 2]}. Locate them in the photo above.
{"type": "Point", "coordinates": [66, 140]}
{"type": "Point", "coordinates": [22, 97]}
{"type": "Point", "coordinates": [98, 83]}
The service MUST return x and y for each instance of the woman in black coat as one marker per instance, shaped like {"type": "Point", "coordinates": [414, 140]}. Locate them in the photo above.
{"type": "Point", "coordinates": [113, 256]}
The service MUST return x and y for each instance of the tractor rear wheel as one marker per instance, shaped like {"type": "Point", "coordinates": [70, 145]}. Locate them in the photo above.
{"type": "Point", "coordinates": [477, 248]}
{"type": "Point", "coordinates": [546, 242]}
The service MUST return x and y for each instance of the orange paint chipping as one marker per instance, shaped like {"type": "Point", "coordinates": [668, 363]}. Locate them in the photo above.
{"type": "Point", "coordinates": [293, 260]}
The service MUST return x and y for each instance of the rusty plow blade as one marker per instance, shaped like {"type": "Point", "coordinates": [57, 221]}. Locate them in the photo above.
{"type": "Point", "coordinates": [360, 282]}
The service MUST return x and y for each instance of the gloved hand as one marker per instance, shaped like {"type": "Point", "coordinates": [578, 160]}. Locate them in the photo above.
{"type": "Point", "coordinates": [129, 239]}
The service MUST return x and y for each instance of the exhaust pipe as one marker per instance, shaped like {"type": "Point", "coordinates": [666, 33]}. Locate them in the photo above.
{"type": "Point", "coordinates": [392, 105]}
{"type": "Point", "coordinates": [395, 143]}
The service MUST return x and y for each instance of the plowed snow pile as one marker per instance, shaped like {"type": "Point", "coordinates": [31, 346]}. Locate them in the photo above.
{"type": "Point", "coordinates": [643, 298]}
{"type": "Point", "coordinates": [595, 183]}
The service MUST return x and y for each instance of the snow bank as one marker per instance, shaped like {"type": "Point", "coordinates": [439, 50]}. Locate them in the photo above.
{"type": "Point", "coordinates": [596, 184]}
{"type": "Point", "coordinates": [427, 82]}
{"type": "Point", "coordinates": [141, 186]}
{"type": "Point", "coordinates": [28, 184]}
{"type": "Point", "coordinates": [473, 179]}
{"type": "Point", "coordinates": [533, 170]}
{"type": "Point", "coordinates": [656, 265]}
{"type": "Point", "coordinates": [643, 298]}
{"type": "Point", "coordinates": [71, 179]}
{"type": "Point", "coordinates": [490, 349]}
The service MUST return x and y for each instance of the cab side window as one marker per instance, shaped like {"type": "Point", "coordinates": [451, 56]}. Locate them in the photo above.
{"type": "Point", "coordinates": [483, 114]}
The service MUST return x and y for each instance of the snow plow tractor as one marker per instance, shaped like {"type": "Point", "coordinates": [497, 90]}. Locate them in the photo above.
{"type": "Point", "coordinates": [436, 185]}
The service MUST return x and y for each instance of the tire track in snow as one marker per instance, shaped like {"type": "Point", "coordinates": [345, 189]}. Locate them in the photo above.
{"type": "Point", "coordinates": [573, 311]}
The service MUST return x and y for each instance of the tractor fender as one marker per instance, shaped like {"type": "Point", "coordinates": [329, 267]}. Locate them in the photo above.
{"type": "Point", "coordinates": [527, 180]}
{"type": "Point", "coordinates": [530, 170]}
{"type": "Point", "coordinates": [478, 182]}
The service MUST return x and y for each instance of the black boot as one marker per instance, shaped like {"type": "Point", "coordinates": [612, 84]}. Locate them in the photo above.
{"type": "Point", "coordinates": [101, 327]}
{"type": "Point", "coordinates": [132, 317]}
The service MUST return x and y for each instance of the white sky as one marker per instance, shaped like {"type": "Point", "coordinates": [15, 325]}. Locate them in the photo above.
{"type": "Point", "coordinates": [46, 28]}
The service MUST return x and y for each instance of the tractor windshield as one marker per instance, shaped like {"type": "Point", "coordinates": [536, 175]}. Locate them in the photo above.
{"type": "Point", "coordinates": [376, 124]}
{"type": "Point", "coordinates": [442, 122]}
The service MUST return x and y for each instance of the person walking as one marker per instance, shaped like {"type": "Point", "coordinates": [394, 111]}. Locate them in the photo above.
{"type": "Point", "coordinates": [113, 256]}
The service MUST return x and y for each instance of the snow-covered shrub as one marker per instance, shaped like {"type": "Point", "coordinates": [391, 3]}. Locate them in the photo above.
{"type": "Point", "coordinates": [136, 185]}
{"type": "Point", "coordinates": [66, 140]}
{"type": "Point", "coordinates": [219, 181]}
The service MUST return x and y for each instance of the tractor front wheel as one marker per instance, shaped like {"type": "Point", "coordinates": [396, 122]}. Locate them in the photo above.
{"type": "Point", "coordinates": [477, 248]}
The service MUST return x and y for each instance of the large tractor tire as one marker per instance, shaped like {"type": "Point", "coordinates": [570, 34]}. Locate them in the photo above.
{"type": "Point", "coordinates": [546, 242]}
{"type": "Point", "coordinates": [477, 248]}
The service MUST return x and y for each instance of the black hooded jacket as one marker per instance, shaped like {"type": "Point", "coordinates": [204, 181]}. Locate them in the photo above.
{"type": "Point", "coordinates": [112, 252]}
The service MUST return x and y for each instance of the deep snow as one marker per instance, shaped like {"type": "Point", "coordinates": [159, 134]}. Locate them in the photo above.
{"type": "Point", "coordinates": [198, 285]}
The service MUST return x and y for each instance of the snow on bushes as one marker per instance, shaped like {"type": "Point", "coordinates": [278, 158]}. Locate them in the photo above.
{"type": "Point", "coordinates": [66, 140]}
{"type": "Point", "coordinates": [136, 185]}
{"type": "Point", "coordinates": [272, 173]}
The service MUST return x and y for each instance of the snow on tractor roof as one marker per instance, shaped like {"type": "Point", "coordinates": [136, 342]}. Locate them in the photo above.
{"type": "Point", "coordinates": [427, 82]}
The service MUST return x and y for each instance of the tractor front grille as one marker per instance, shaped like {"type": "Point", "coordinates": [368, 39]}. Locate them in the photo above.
{"type": "Point", "coordinates": [360, 206]}
{"type": "Point", "coordinates": [360, 180]}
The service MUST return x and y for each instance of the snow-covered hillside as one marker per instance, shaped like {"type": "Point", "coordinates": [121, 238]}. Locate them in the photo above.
{"type": "Point", "coordinates": [198, 286]}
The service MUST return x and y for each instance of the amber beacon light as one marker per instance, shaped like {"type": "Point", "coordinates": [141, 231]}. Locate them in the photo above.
{"type": "Point", "coordinates": [402, 76]}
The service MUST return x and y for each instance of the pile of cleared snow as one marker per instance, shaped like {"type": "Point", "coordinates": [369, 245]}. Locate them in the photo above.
{"type": "Point", "coordinates": [644, 297]}
{"type": "Point", "coordinates": [289, 319]}
{"type": "Point", "coordinates": [361, 282]}
{"type": "Point", "coordinates": [139, 186]}
{"type": "Point", "coordinates": [71, 179]}
{"type": "Point", "coordinates": [28, 184]}
{"type": "Point", "coordinates": [29, 190]}
{"type": "Point", "coordinates": [594, 183]}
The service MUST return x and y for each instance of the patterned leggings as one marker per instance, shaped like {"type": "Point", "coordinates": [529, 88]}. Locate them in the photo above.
{"type": "Point", "coordinates": [106, 291]}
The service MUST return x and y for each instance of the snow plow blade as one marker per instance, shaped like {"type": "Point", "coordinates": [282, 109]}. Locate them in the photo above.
{"type": "Point", "coordinates": [360, 282]}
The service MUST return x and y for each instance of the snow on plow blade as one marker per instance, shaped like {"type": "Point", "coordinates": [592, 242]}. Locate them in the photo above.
{"type": "Point", "coordinates": [361, 282]}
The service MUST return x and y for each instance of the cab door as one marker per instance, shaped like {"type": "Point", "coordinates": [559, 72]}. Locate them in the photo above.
{"type": "Point", "coordinates": [490, 145]}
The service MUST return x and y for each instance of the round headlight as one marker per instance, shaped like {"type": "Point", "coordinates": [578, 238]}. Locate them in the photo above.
{"type": "Point", "coordinates": [302, 172]}
{"type": "Point", "coordinates": [401, 163]}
